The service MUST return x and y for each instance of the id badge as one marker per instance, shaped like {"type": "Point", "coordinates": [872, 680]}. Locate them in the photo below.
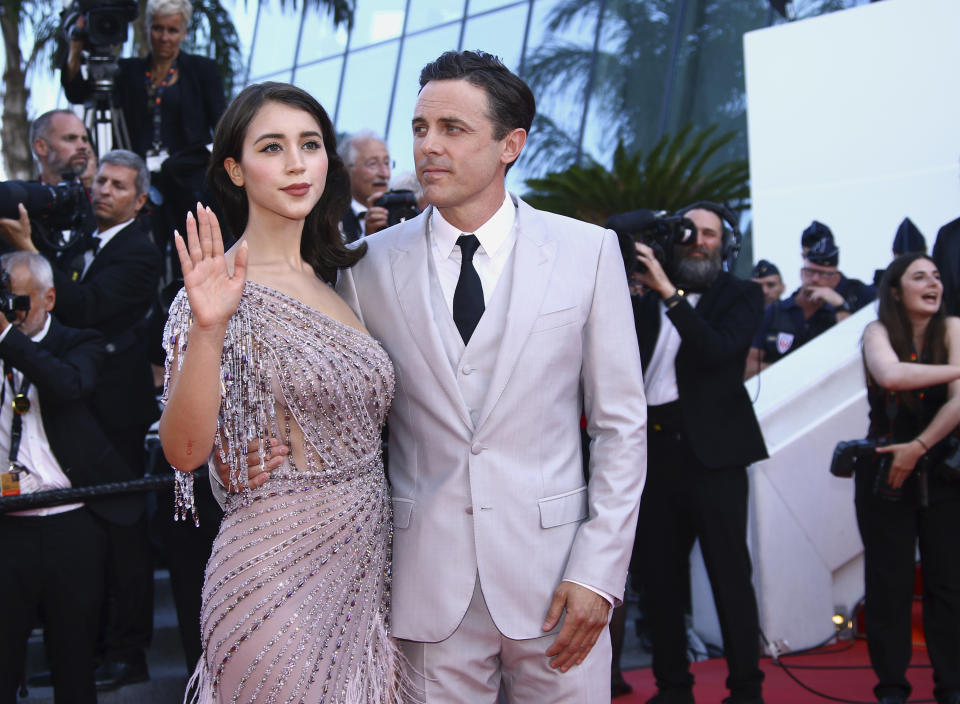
{"type": "Point", "coordinates": [155, 161]}
{"type": "Point", "coordinates": [10, 484]}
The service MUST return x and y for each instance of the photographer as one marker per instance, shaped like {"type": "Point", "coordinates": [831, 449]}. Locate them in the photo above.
{"type": "Point", "coordinates": [108, 282]}
{"type": "Point", "coordinates": [53, 556]}
{"type": "Point", "coordinates": [60, 145]}
{"type": "Point", "coordinates": [171, 102]}
{"type": "Point", "coordinates": [912, 358]}
{"type": "Point", "coordinates": [694, 325]}
{"type": "Point", "coordinates": [62, 149]}
{"type": "Point", "coordinates": [368, 164]}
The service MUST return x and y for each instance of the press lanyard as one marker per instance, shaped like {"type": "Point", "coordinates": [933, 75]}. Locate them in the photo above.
{"type": "Point", "coordinates": [21, 405]}
{"type": "Point", "coordinates": [156, 101]}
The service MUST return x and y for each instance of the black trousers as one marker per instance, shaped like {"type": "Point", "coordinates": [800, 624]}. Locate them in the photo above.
{"type": "Point", "coordinates": [52, 567]}
{"type": "Point", "coordinates": [186, 550]}
{"type": "Point", "coordinates": [682, 501]}
{"type": "Point", "coordinates": [128, 612]}
{"type": "Point", "coordinates": [890, 531]}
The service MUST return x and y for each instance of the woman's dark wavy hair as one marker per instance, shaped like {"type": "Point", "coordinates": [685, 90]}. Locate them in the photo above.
{"type": "Point", "coordinates": [321, 244]}
{"type": "Point", "coordinates": [893, 315]}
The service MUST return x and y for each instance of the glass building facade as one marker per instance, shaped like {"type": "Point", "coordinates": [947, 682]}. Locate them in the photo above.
{"type": "Point", "coordinates": [602, 70]}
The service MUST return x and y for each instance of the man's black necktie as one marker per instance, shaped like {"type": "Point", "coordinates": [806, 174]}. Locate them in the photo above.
{"type": "Point", "coordinates": [468, 297]}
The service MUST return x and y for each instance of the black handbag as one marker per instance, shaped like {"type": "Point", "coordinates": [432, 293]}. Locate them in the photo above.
{"type": "Point", "coordinates": [851, 455]}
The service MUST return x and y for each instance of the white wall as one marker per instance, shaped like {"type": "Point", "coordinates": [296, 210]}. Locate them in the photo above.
{"type": "Point", "coordinates": [853, 121]}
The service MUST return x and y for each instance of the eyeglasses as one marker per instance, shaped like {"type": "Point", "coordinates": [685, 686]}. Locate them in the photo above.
{"type": "Point", "coordinates": [373, 164]}
{"type": "Point", "coordinates": [808, 273]}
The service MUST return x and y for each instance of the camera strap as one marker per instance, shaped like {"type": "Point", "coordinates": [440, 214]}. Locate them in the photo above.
{"type": "Point", "coordinates": [155, 95]}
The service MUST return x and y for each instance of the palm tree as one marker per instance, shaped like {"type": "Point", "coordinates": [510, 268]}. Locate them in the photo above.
{"type": "Point", "coordinates": [673, 173]}
{"type": "Point", "coordinates": [211, 33]}
{"type": "Point", "coordinates": [658, 65]}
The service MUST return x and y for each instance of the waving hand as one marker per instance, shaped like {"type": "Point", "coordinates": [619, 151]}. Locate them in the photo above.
{"type": "Point", "coordinates": [213, 294]}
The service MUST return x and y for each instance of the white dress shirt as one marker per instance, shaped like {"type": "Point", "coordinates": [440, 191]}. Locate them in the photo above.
{"type": "Point", "coordinates": [660, 379]}
{"type": "Point", "coordinates": [497, 237]}
{"type": "Point", "coordinates": [357, 207]}
{"type": "Point", "coordinates": [34, 453]}
{"type": "Point", "coordinates": [105, 237]}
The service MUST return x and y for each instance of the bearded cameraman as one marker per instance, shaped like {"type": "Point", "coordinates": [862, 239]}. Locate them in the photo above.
{"type": "Point", "coordinates": [694, 326]}
{"type": "Point", "coordinates": [53, 562]}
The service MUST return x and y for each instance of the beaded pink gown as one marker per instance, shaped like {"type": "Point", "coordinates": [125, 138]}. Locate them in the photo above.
{"type": "Point", "coordinates": [296, 597]}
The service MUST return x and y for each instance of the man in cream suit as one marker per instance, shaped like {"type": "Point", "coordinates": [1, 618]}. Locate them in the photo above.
{"type": "Point", "coordinates": [504, 324]}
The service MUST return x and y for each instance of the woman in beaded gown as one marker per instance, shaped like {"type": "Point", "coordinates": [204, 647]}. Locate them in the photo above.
{"type": "Point", "coordinates": [260, 347]}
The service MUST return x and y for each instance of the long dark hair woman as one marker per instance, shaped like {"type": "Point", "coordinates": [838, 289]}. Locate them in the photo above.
{"type": "Point", "coordinates": [261, 349]}
{"type": "Point", "coordinates": [912, 358]}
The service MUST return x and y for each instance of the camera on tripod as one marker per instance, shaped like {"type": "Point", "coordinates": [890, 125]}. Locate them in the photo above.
{"type": "Point", "coordinates": [104, 24]}
{"type": "Point", "coordinates": [659, 230]}
{"type": "Point", "coordinates": [10, 304]}
{"type": "Point", "coordinates": [400, 204]}
{"type": "Point", "coordinates": [56, 208]}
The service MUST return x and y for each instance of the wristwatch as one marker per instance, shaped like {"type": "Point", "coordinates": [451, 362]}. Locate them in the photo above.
{"type": "Point", "coordinates": [845, 308]}
{"type": "Point", "coordinates": [673, 300]}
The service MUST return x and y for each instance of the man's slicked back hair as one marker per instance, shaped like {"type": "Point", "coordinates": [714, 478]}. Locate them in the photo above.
{"type": "Point", "coordinates": [510, 100]}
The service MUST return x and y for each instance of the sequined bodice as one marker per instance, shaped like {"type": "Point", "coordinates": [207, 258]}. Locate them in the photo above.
{"type": "Point", "coordinates": [293, 373]}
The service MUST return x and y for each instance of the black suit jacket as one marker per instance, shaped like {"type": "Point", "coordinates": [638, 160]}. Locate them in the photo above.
{"type": "Point", "coordinates": [202, 99]}
{"type": "Point", "coordinates": [64, 367]}
{"type": "Point", "coordinates": [350, 224]}
{"type": "Point", "coordinates": [715, 336]}
{"type": "Point", "coordinates": [946, 255]}
{"type": "Point", "coordinates": [113, 298]}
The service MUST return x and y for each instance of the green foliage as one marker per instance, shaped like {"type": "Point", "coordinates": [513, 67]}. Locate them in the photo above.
{"type": "Point", "coordinates": [674, 173]}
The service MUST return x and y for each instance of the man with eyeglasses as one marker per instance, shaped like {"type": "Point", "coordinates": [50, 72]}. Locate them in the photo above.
{"type": "Point", "coordinates": [368, 163]}
{"type": "Point", "coordinates": [825, 297]}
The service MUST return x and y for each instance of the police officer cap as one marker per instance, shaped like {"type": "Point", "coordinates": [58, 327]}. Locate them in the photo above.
{"type": "Point", "coordinates": [814, 232]}
{"type": "Point", "coordinates": [763, 269]}
{"type": "Point", "coordinates": [824, 252]}
{"type": "Point", "coordinates": [909, 239]}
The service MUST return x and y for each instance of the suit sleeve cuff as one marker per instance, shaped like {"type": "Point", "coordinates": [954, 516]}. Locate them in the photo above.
{"type": "Point", "coordinates": [610, 599]}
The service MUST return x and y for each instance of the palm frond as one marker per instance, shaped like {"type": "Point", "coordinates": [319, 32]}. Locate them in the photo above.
{"type": "Point", "coordinates": [675, 172]}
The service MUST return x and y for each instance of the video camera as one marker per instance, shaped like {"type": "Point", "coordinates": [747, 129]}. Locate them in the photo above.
{"type": "Point", "coordinates": [56, 208]}
{"type": "Point", "coordinates": [10, 304]}
{"type": "Point", "coordinates": [400, 204]}
{"type": "Point", "coordinates": [659, 230]}
{"type": "Point", "coordinates": [105, 24]}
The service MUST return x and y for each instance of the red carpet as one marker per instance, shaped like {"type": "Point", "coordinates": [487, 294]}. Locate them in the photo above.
{"type": "Point", "coordinates": [839, 672]}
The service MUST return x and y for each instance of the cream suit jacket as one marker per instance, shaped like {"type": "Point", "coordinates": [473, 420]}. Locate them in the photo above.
{"type": "Point", "coordinates": [506, 498]}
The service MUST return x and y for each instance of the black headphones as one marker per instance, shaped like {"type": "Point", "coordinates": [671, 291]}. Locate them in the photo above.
{"type": "Point", "coordinates": [732, 239]}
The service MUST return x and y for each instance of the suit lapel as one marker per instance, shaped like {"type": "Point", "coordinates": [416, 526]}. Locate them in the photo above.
{"type": "Point", "coordinates": [411, 278]}
{"type": "Point", "coordinates": [534, 256]}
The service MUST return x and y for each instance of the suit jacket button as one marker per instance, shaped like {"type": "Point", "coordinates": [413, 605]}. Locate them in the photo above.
{"type": "Point", "coordinates": [469, 510]}
{"type": "Point", "coordinates": [467, 369]}
{"type": "Point", "coordinates": [476, 448]}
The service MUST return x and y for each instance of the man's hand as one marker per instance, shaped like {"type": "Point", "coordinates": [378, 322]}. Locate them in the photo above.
{"type": "Point", "coordinates": [74, 58]}
{"type": "Point", "coordinates": [824, 294]}
{"type": "Point", "coordinates": [654, 278]}
{"type": "Point", "coordinates": [587, 616]}
{"type": "Point", "coordinates": [376, 217]}
{"type": "Point", "coordinates": [256, 474]}
{"type": "Point", "coordinates": [18, 232]}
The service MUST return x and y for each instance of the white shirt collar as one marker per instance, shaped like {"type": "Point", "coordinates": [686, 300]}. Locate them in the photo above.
{"type": "Point", "coordinates": [110, 233]}
{"type": "Point", "coordinates": [357, 207]}
{"type": "Point", "coordinates": [43, 331]}
{"type": "Point", "coordinates": [492, 234]}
